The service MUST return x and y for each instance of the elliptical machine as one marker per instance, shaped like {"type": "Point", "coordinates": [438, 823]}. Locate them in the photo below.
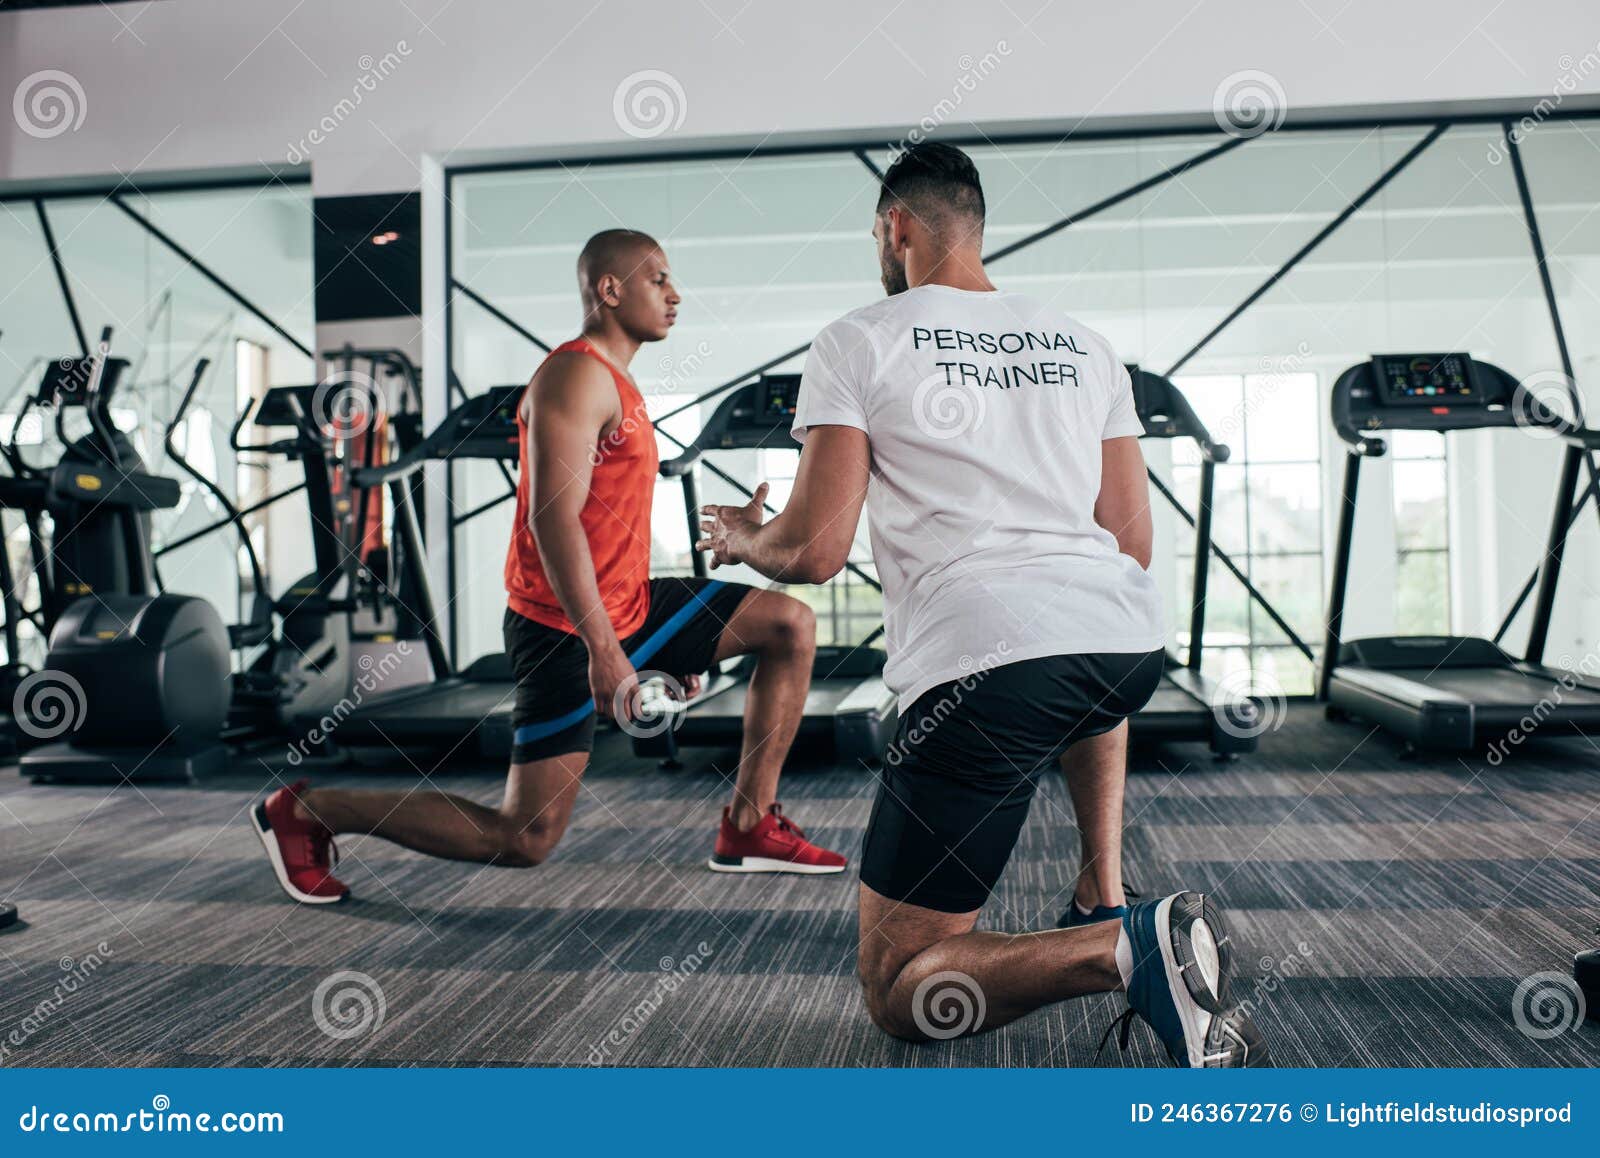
{"type": "Point", "coordinates": [138, 678]}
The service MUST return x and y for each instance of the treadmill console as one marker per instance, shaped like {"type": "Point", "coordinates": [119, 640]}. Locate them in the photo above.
{"type": "Point", "coordinates": [484, 426]}
{"type": "Point", "coordinates": [1424, 392]}
{"type": "Point", "coordinates": [66, 381]}
{"type": "Point", "coordinates": [1425, 379]}
{"type": "Point", "coordinates": [758, 415]}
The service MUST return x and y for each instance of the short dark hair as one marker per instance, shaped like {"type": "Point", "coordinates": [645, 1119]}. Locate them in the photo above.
{"type": "Point", "coordinates": [934, 181]}
{"type": "Point", "coordinates": [612, 251]}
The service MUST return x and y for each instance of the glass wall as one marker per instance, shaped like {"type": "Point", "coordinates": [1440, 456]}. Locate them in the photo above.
{"type": "Point", "coordinates": [769, 248]}
{"type": "Point", "coordinates": [165, 316]}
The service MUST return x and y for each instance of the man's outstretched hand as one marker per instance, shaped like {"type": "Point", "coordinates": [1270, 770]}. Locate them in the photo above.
{"type": "Point", "coordinates": [725, 531]}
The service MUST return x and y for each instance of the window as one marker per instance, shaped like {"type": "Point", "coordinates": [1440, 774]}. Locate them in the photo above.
{"type": "Point", "coordinates": [1421, 532]}
{"type": "Point", "coordinates": [1266, 514]}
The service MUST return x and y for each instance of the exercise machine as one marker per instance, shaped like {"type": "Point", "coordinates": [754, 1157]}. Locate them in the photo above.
{"type": "Point", "coordinates": [1448, 691]}
{"type": "Point", "coordinates": [467, 711]}
{"type": "Point", "coordinates": [849, 711]}
{"type": "Point", "coordinates": [139, 677]}
{"type": "Point", "coordinates": [1187, 705]}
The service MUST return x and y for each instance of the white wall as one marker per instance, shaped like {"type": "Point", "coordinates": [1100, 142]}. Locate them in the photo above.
{"type": "Point", "coordinates": [197, 84]}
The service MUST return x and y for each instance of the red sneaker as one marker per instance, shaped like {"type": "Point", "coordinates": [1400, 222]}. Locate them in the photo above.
{"type": "Point", "coordinates": [774, 845]}
{"type": "Point", "coordinates": [298, 849]}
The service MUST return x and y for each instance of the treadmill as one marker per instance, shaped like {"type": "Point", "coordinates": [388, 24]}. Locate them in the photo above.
{"type": "Point", "coordinates": [849, 712]}
{"type": "Point", "coordinates": [469, 710]}
{"type": "Point", "coordinates": [1448, 691]}
{"type": "Point", "coordinates": [1186, 705]}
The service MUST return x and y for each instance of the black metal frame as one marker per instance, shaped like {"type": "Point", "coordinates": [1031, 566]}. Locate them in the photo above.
{"type": "Point", "coordinates": [1436, 126]}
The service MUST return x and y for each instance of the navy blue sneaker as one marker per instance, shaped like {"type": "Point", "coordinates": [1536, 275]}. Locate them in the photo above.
{"type": "Point", "coordinates": [1181, 956]}
{"type": "Point", "coordinates": [1074, 916]}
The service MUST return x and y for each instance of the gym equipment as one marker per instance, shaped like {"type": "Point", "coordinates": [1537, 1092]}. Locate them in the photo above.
{"type": "Point", "coordinates": [467, 711]}
{"type": "Point", "coordinates": [849, 710]}
{"type": "Point", "coordinates": [8, 914]}
{"type": "Point", "coordinates": [139, 678]}
{"type": "Point", "coordinates": [1586, 971]}
{"type": "Point", "coordinates": [1447, 691]}
{"type": "Point", "coordinates": [1186, 705]}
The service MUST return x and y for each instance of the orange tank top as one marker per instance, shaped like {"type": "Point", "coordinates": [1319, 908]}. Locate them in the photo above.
{"type": "Point", "coordinates": [615, 517]}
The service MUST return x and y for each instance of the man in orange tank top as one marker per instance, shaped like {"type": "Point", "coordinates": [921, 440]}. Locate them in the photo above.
{"type": "Point", "coordinates": [584, 618]}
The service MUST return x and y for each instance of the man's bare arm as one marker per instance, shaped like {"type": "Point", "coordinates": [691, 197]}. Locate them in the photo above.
{"type": "Point", "coordinates": [571, 402]}
{"type": "Point", "coordinates": [809, 540]}
{"type": "Point", "coordinates": [1123, 507]}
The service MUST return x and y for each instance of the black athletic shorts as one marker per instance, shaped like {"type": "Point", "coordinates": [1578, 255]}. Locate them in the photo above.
{"type": "Point", "coordinates": [554, 714]}
{"type": "Point", "coordinates": [959, 778]}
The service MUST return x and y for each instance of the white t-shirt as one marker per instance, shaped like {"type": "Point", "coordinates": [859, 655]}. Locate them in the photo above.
{"type": "Point", "coordinates": [985, 412]}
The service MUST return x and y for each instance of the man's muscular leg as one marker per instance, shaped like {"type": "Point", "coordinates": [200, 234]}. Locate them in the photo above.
{"type": "Point", "coordinates": [781, 632]}
{"type": "Point", "coordinates": [519, 834]}
{"type": "Point", "coordinates": [1097, 772]}
{"type": "Point", "coordinates": [905, 947]}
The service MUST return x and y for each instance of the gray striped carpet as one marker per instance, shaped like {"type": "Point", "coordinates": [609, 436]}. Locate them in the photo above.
{"type": "Point", "coordinates": [1387, 911]}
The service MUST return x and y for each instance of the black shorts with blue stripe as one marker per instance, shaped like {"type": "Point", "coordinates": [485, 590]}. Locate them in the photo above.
{"type": "Point", "coordinates": [554, 715]}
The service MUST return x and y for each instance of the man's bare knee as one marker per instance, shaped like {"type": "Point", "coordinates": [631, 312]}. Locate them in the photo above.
{"type": "Point", "coordinates": [793, 627]}
{"type": "Point", "coordinates": [525, 844]}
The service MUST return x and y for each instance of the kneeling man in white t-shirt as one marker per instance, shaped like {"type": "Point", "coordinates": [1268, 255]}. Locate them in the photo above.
{"type": "Point", "coordinates": [994, 442]}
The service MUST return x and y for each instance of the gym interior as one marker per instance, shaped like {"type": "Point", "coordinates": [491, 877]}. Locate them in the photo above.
{"type": "Point", "coordinates": [294, 266]}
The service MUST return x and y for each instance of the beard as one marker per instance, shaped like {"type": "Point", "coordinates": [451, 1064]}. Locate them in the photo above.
{"type": "Point", "coordinates": [893, 274]}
